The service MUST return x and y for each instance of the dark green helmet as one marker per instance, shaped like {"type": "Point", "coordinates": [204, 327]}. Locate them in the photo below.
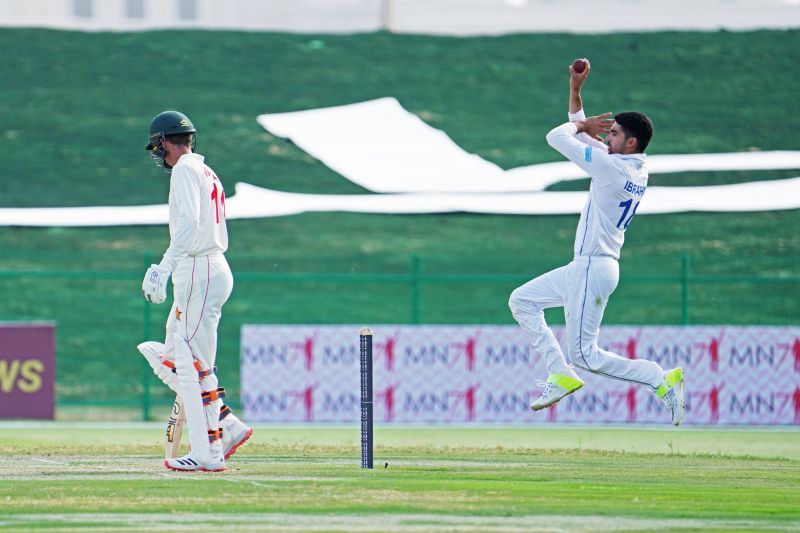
{"type": "Point", "coordinates": [168, 123]}
{"type": "Point", "coordinates": [163, 125]}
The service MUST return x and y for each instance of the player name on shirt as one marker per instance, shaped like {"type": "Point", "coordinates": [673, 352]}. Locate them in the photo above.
{"type": "Point", "coordinates": [638, 190]}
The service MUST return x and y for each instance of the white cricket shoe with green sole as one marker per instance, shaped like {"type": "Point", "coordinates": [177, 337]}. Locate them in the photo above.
{"type": "Point", "coordinates": [671, 393]}
{"type": "Point", "coordinates": [556, 387]}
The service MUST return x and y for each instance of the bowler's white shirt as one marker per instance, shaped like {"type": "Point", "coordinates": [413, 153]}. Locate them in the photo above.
{"type": "Point", "coordinates": [196, 212]}
{"type": "Point", "coordinates": [618, 184]}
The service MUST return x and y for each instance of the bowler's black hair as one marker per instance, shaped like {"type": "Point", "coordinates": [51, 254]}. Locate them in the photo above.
{"type": "Point", "coordinates": [637, 125]}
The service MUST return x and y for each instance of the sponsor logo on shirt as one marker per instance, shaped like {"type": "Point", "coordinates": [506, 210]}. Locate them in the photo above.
{"type": "Point", "coordinates": [588, 154]}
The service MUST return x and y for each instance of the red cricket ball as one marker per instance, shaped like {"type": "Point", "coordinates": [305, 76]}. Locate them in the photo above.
{"type": "Point", "coordinates": [579, 65]}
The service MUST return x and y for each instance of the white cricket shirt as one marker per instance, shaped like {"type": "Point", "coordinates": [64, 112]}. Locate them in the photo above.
{"type": "Point", "coordinates": [196, 212]}
{"type": "Point", "coordinates": [618, 184]}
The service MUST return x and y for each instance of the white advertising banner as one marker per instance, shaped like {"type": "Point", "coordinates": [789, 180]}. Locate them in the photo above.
{"type": "Point", "coordinates": [487, 374]}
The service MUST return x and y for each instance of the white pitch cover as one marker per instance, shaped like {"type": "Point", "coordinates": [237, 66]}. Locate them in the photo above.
{"type": "Point", "coordinates": [464, 375]}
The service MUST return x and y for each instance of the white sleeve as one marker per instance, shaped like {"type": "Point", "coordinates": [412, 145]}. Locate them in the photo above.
{"type": "Point", "coordinates": [595, 162]}
{"type": "Point", "coordinates": [584, 137]}
{"type": "Point", "coordinates": [575, 117]}
{"type": "Point", "coordinates": [186, 196]}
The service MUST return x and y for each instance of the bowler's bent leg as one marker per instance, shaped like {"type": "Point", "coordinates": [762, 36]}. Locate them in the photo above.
{"type": "Point", "coordinates": [591, 281]}
{"type": "Point", "coordinates": [528, 303]}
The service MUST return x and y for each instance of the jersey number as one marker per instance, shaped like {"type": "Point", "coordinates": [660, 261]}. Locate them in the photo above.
{"type": "Point", "coordinates": [218, 197]}
{"type": "Point", "coordinates": [217, 194]}
{"type": "Point", "coordinates": [627, 207]}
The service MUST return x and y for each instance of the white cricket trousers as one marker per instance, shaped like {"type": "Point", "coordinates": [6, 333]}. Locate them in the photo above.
{"type": "Point", "coordinates": [202, 285]}
{"type": "Point", "coordinates": [582, 288]}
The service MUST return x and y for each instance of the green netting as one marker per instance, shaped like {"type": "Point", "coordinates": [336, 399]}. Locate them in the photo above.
{"type": "Point", "coordinates": [101, 317]}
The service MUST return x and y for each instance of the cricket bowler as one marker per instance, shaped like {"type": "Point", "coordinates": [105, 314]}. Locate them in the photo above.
{"type": "Point", "coordinates": [202, 283]}
{"type": "Point", "coordinates": [617, 166]}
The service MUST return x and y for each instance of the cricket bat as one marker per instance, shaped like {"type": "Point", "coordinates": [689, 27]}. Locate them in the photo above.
{"type": "Point", "coordinates": [177, 419]}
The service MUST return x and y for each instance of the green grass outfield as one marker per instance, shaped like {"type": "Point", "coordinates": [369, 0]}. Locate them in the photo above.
{"type": "Point", "coordinates": [302, 478]}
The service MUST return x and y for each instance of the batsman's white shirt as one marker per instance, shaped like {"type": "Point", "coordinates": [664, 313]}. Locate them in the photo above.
{"type": "Point", "coordinates": [202, 283]}
{"type": "Point", "coordinates": [196, 212]}
{"type": "Point", "coordinates": [618, 184]}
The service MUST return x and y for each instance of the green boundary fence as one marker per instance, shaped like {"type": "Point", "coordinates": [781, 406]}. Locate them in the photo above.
{"type": "Point", "coordinates": [101, 317]}
{"type": "Point", "coordinates": [416, 279]}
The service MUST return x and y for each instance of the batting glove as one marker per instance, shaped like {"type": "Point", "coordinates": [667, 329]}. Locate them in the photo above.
{"type": "Point", "coordinates": [154, 285]}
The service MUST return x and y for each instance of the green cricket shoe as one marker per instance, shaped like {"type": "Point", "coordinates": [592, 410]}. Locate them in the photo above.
{"type": "Point", "coordinates": [671, 393]}
{"type": "Point", "coordinates": [556, 387]}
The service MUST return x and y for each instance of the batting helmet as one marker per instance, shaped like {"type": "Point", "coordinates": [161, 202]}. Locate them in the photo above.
{"type": "Point", "coordinates": [164, 125]}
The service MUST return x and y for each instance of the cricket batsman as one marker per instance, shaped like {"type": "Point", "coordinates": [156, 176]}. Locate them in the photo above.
{"type": "Point", "coordinates": [202, 283]}
{"type": "Point", "coordinates": [617, 166]}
